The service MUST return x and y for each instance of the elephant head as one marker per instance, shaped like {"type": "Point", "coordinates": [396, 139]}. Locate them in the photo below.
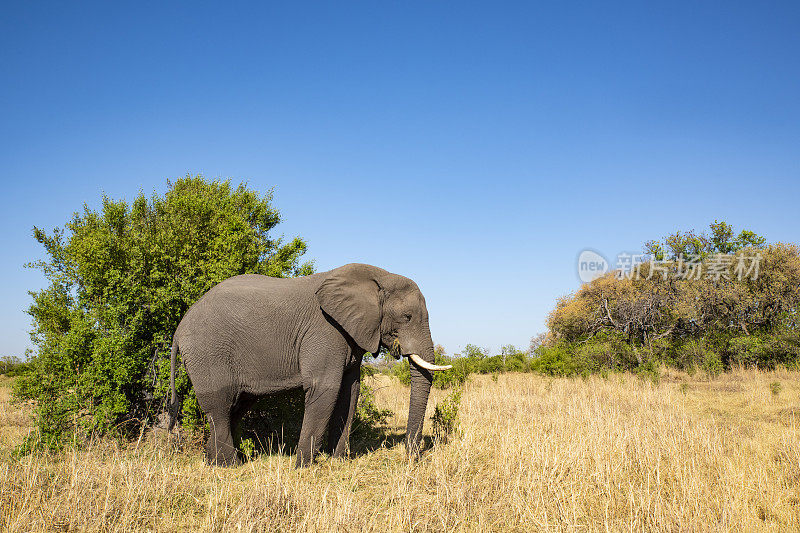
{"type": "Point", "coordinates": [378, 308]}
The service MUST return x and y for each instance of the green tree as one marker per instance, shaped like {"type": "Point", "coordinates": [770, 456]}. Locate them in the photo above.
{"type": "Point", "coordinates": [120, 279]}
{"type": "Point", "coordinates": [11, 365]}
{"type": "Point", "coordinates": [741, 308]}
{"type": "Point", "coordinates": [476, 352]}
{"type": "Point", "coordinates": [721, 241]}
{"type": "Point", "coordinates": [721, 235]}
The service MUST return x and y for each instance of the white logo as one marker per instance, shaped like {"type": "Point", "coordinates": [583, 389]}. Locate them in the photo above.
{"type": "Point", "coordinates": [591, 265]}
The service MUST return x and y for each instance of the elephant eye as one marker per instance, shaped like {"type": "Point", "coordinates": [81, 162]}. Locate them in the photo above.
{"type": "Point", "coordinates": [407, 317]}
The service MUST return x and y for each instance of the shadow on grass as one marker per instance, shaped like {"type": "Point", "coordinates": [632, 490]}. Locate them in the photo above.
{"type": "Point", "coordinates": [272, 427]}
{"type": "Point", "coordinates": [389, 439]}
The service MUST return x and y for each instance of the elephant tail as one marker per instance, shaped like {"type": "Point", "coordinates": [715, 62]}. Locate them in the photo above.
{"type": "Point", "coordinates": [173, 405]}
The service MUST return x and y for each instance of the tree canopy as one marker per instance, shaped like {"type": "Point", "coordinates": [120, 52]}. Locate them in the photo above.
{"type": "Point", "coordinates": [698, 300]}
{"type": "Point", "coordinates": [119, 280]}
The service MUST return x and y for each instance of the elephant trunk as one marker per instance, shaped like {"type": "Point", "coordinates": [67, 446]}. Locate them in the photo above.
{"type": "Point", "coordinates": [421, 379]}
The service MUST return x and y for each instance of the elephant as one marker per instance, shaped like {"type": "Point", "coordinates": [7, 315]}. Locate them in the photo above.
{"type": "Point", "coordinates": [253, 335]}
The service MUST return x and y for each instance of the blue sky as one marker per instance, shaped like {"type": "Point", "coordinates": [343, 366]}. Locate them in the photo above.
{"type": "Point", "coordinates": [474, 147]}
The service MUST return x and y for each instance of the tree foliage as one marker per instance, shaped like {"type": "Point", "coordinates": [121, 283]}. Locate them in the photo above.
{"type": "Point", "coordinates": [11, 366]}
{"type": "Point", "coordinates": [119, 280]}
{"type": "Point", "coordinates": [721, 240]}
{"type": "Point", "coordinates": [472, 360]}
{"type": "Point", "coordinates": [708, 320]}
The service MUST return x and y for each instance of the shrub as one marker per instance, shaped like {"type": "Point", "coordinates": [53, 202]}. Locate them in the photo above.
{"type": "Point", "coordinates": [462, 368]}
{"type": "Point", "coordinates": [556, 360]}
{"type": "Point", "coordinates": [649, 371]}
{"type": "Point", "coordinates": [517, 362]}
{"type": "Point", "coordinates": [120, 279]}
{"type": "Point", "coordinates": [746, 350]}
{"type": "Point", "coordinates": [697, 353]}
{"type": "Point", "coordinates": [445, 422]}
{"type": "Point", "coordinates": [475, 352]}
{"type": "Point", "coordinates": [402, 371]}
{"type": "Point", "coordinates": [745, 315]}
{"type": "Point", "coordinates": [712, 364]}
{"type": "Point", "coordinates": [370, 421]}
{"type": "Point", "coordinates": [489, 365]}
{"type": "Point", "coordinates": [455, 377]}
{"type": "Point", "coordinates": [11, 366]}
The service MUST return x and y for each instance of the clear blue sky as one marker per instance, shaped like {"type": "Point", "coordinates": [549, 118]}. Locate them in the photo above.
{"type": "Point", "coordinates": [474, 147]}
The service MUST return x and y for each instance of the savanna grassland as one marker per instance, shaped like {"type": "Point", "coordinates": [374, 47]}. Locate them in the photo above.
{"type": "Point", "coordinates": [532, 453]}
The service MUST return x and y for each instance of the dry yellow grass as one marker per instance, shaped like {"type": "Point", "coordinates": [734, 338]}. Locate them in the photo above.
{"type": "Point", "coordinates": [534, 454]}
{"type": "Point", "coordinates": [14, 419]}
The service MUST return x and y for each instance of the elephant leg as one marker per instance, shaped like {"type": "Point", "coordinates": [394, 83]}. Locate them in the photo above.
{"type": "Point", "coordinates": [218, 406]}
{"type": "Point", "coordinates": [318, 408]}
{"type": "Point", "coordinates": [220, 450]}
{"type": "Point", "coordinates": [343, 413]}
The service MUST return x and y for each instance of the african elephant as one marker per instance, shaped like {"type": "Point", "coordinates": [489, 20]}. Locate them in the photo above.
{"type": "Point", "coordinates": [254, 335]}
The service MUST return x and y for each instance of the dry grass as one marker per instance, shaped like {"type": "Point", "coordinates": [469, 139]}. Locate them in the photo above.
{"type": "Point", "coordinates": [14, 419]}
{"type": "Point", "coordinates": [534, 454]}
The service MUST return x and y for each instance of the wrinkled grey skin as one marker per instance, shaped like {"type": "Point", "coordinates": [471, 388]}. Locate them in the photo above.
{"type": "Point", "coordinates": [253, 335]}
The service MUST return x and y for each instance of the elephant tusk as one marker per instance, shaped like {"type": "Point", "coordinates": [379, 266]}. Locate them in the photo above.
{"type": "Point", "coordinates": [419, 361]}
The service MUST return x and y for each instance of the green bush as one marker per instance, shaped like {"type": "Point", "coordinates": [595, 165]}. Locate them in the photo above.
{"type": "Point", "coordinates": [474, 361]}
{"type": "Point", "coordinates": [768, 351]}
{"type": "Point", "coordinates": [649, 371]}
{"type": "Point", "coordinates": [557, 360]}
{"type": "Point", "coordinates": [120, 279]}
{"type": "Point", "coordinates": [517, 362]}
{"type": "Point", "coordinates": [610, 351]}
{"type": "Point", "coordinates": [462, 368]}
{"type": "Point", "coordinates": [371, 422]}
{"type": "Point", "coordinates": [749, 350]}
{"type": "Point", "coordinates": [745, 315]}
{"type": "Point", "coordinates": [445, 414]}
{"type": "Point", "coordinates": [455, 377]}
{"type": "Point", "coordinates": [712, 364]}
{"type": "Point", "coordinates": [11, 366]}
{"type": "Point", "coordinates": [402, 371]}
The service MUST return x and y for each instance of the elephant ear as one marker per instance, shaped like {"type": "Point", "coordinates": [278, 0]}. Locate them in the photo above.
{"type": "Point", "coordinates": [351, 296]}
